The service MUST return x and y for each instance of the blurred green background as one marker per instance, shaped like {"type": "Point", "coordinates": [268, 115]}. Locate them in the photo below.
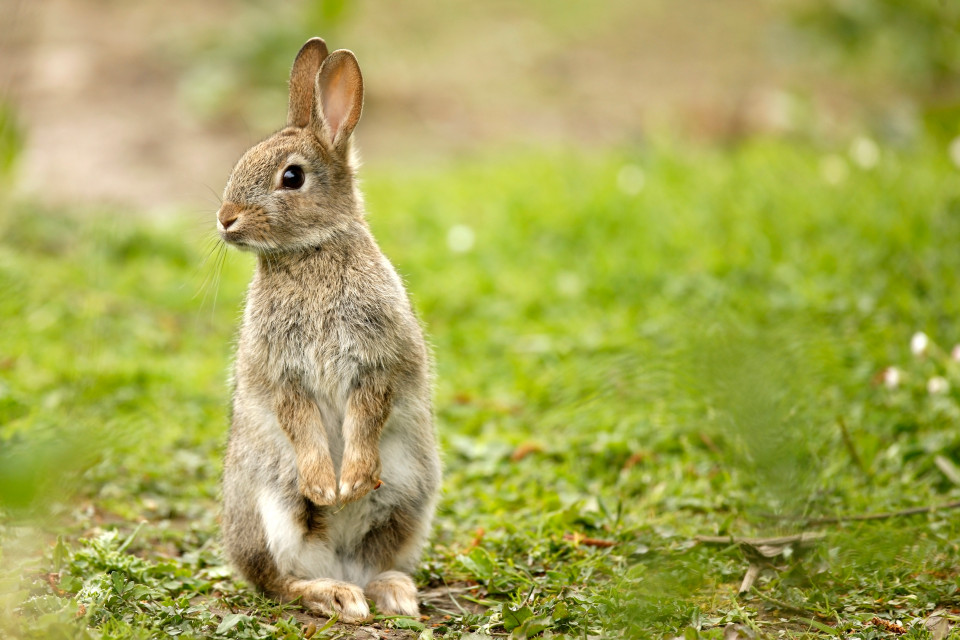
{"type": "Point", "coordinates": [688, 268]}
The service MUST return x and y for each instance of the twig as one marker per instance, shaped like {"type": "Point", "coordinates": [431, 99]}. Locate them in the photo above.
{"type": "Point", "coordinates": [860, 517]}
{"type": "Point", "coordinates": [807, 537]}
{"type": "Point", "coordinates": [810, 536]}
{"type": "Point", "coordinates": [884, 516]}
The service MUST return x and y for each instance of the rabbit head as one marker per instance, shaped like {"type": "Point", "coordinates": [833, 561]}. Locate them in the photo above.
{"type": "Point", "coordinates": [297, 188]}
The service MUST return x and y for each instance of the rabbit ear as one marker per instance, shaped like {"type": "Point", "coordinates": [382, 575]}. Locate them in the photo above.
{"type": "Point", "coordinates": [303, 81]}
{"type": "Point", "coordinates": [339, 98]}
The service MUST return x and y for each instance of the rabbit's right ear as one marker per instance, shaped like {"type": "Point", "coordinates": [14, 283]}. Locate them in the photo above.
{"type": "Point", "coordinates": [303, 79]}
{"type": "Point", "coordinates": [339, 99]}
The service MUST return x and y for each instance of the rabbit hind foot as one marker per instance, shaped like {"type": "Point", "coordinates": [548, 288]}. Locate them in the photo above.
{"type": "Point", "coordinates": [394, 593]}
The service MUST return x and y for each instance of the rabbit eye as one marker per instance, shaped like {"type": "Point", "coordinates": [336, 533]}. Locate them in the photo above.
{"type": "Point", "coordinates": [292, 177]}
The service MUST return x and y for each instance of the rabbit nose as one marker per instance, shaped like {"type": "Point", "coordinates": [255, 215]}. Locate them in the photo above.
{"type": "Point", "coordinates": [228, 214]}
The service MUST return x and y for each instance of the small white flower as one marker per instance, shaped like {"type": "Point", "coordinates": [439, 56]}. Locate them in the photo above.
{"type": "Point", "coordinates": [630, 179]}
{"type": "Point", "coordinates": [955, 353]}
{"type": "Point", "coordinates": [954, 151]}
{"type": "Point", "coordinates": [833, 169]}
{"type": "Point", "coordinates": [891, 377]}
{"type": "Point", "coordinates": [460, 238]}
{"type": "Point", "coordinates": [937, 384]}
{"type": "Point", "coordinates": [919, 343]}
{"type": "Point", "coordinates": [568, 284]}
{"type": "Point", "coordinates": [865, 153]}
{"type": "Point", "coordinates": [772, 110]}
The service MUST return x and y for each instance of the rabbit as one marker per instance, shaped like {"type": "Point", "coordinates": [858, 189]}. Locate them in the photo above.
{"type": "Point", "coordinates": [331, 470]}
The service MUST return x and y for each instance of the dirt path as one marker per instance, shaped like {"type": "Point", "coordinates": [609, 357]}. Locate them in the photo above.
{"type": "Point", "coordinates": [100, 86]}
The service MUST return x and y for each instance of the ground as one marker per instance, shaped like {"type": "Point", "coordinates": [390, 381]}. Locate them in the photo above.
{"type": "Point", "coordinates": [654, 346]}
{"type": "Point", "coordinates": [148, 105]}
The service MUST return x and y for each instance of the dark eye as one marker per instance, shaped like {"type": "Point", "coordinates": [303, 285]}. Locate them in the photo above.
{"type": "Point", "coordinates": [292, 177]}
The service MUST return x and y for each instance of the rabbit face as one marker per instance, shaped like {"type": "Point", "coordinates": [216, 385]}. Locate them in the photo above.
{"type": "Point", "coordinates": [286, 193]}
{"type": "Point", "coordinates": [296, 189]}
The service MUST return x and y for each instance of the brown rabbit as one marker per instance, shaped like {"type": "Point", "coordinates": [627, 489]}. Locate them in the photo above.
{"type": "Point", "coordinates": [332, 376]}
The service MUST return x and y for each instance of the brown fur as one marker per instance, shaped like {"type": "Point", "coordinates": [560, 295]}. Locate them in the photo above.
{"type": "Point", "coordinates": [332, 376]}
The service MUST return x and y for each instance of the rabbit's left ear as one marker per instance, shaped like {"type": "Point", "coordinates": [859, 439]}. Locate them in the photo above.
{"type": "Point", "coordinates": [303, 81]}
{"type": "Point", "coordinates": [339, 99]}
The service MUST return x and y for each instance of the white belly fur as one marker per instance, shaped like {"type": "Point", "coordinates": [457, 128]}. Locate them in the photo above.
{"type": "Point", "coordinates": [298, 555]}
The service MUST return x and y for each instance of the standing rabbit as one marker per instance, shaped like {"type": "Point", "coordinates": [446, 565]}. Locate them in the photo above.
{"type": "Point", "coordinates": [332, 396]}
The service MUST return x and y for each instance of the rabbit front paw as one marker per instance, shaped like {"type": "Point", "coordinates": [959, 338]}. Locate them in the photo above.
{"type": "Point", "coordinates": [317, 480]}
{"type": "Point", "coordinates": [360, 475]}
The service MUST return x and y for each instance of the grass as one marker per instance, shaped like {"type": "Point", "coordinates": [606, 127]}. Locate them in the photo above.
{"type": "Point", "coordinates": [633, 348]}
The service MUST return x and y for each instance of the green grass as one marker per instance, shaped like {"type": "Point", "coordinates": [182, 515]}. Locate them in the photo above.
{"type": "Point", "coordinates": [636, 368]}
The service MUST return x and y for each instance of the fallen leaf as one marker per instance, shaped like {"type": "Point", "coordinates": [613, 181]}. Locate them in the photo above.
{"type": "Point", "coordinates": [737, 632]}
{"type": "Point", "coordinates": [749, 578]}
{"type": "Point", "coordinates": [525, 449]}
{"type": "Point", "coordinates": [892, 627]}
{"type": "Point", "coordinates": [948, 469]}
{"type": "Point", "coordinates": [635, 459]}
{"type": "Point", "coordinates": [579, 539]}
{"type": "Point", "coordinates": [938, 626]}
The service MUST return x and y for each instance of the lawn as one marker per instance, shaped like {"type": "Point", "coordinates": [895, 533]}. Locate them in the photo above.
{"type": "Point", "coordinates": [634, 349]}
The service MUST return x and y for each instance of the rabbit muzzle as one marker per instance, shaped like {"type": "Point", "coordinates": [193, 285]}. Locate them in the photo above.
{"type": "Point", "coordinates": [241, 226]}
{"type": "Point", "coordinates": [228, 214]}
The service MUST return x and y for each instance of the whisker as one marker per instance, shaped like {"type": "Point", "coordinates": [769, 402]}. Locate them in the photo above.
{"type": "Point", "coordinates": [203, 223]}
{"type": "Point", "coordinates": [213, 243]}
{"type": "Point", "coordinates": [211, 279]}
{"type": "Point", "coordinates": [216, 288]}
{"type": "Point", "coordinates": [215, 194]}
